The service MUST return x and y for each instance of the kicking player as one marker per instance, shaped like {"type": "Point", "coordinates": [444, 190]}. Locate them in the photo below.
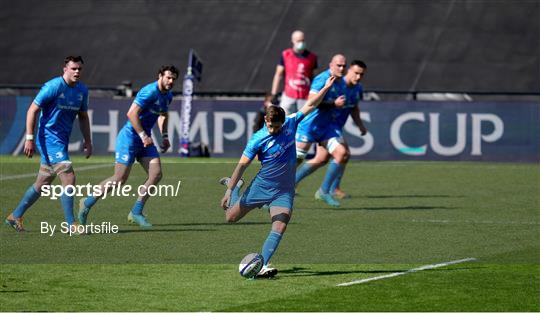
{"type": "Point", "coordinates": [273, 185]}
{"type": "Point", "coordinates": [59, 101]}
{"type": "Point", "coordinates": [317, 126]}
{"type": "Point", "coordinates": [334, 174]}
{"type": "Point", "coordinates": [134, 142]}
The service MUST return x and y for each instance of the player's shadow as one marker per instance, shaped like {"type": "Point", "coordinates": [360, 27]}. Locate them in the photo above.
{"type": "Point", "coordinates": [158, 230]}
{"type": "Point", "coordinates": [409, 207]}
{"type": "Point", "coordinates": [215, 224]}
{"type": "Point", "coordinates": [13, 291]}
{"type": "Point", "coordinates": [408, 196]}
{"type": "Point", "coordinates": [303, 271]}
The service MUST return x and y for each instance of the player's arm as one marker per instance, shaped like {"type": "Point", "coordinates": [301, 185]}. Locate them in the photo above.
{"type": "Point", "coordinates": [31, 118]}
{"type": "Point", "coordinates": [133, 116]}
{"type": "Point", "coordinates": [315, 99]}
{"type": "Point", "coordinates": [235, 177]}
{"type": "Point", "coordinates": [339, 102]}
{"type": "Point", "coordinates": [355, 114]}
{"type": "Point", "coordinates": [280, 70]}
{"type": "Point", "coordinates": [163, 124]}
{"type": "Point", "coordinates": [84, 125]}
{"type": "Point", "coordinates": [336, 103]}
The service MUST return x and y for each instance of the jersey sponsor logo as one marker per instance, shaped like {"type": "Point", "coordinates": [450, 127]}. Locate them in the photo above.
{"type": "Point", "coordinates": [287, 146]}
{"type": "Point", "coordinates": [68, 107]}
{"type": "Point", "coordinates": [281, 149]}
{"type": "Point", "coordinates": [59, 155]}
{"type": "Point", "coordinates": [156, 108]}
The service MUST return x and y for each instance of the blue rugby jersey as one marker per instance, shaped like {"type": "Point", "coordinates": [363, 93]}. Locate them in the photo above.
{"type": "Point", "coordinates": [353, 95]}
{"type": "Point", "coordinates": [59, 105]}
{"type": "Point", "coordinates": [321, 118]}
{"type": "Point", "coordinates": [153, 103]}
{"type": "Point", "coordinates": [277, 154]}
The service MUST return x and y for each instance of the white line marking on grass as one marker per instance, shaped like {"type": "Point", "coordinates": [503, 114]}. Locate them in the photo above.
{"type": "Point", "coordinates": [418, 269]}
{"type": "Point", "coordinates": [78, 169]}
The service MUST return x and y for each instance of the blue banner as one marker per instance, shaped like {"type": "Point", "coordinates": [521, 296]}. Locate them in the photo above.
{"type": "Point", "coordinates": [415, 130]}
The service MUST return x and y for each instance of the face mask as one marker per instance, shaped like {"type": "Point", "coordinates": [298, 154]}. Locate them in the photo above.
{"type": "Point", "coordinates": [300, 46]}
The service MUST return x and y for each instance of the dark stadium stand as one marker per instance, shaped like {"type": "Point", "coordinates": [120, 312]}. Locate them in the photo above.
{"type": "Point", "coordinates": [468, 46]}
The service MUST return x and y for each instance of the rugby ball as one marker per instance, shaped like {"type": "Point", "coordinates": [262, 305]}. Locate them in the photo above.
{"type": "Point", "coordinates": [250, 265]}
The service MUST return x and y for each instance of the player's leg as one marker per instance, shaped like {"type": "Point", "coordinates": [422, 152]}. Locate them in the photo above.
{"type": "Point", "coordinates": [152, 166]}
{"type": "Point", "coordinates": [340, 156]}
{"type": "Point", "coordinates": [335, 189]}
{"type": "Point", "coordinates": [280, 214]}
{"type": "Point", "coordinates": [127, 149]}
{"type": "Point", "coordinates": [304, 138]}
{"type": "Point", "coordinates": [236, 212]}
{"type": "Point", "coordinates": [280, 218]}
{"type": "Point", "coordinates": [288, 104]}
{"type": "Point", "coordinates": [45, 177]}
{"type": "Point", "coordinates": [66, 174]}
{"type": "Point", "coordinates": [120, 176]}
{"type": "Point", "coordinates": [239, 206]}
{"type": "Point", "coordinates": [299, 103]}
{"type": "Point", "coordinates": [321, 158]}
{"type": "Point", "coordinates": [302, 149]}
{"type": "Point", "coordinates": [235, 193]}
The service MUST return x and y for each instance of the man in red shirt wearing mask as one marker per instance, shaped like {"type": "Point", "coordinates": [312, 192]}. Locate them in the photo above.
{"type": "Point", "coordinates": [297, 64]}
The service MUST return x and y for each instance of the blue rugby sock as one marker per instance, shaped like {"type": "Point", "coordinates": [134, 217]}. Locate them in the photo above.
{"type": "Point", "coordinates": [90, 201]}
{"type": "Point", "coordinates": [337, 180]}
{"type": "Point", "coordinates": [67, 205]}
{"type": "Point", "coordinates": [29, 197]}
{"type": "Point", "coordinates": [137, 207]}
{"type": "Point", "coordinates": [304, 171]}
{"type": "Point", "coordinates": [331, 173]}
{"type": "Point", "coordinates": [270, 245]}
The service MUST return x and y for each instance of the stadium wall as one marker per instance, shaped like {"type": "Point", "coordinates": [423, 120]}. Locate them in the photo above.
{"type": "Point", "coordinates": [420, 130]}
{"type": "Point", "coordinates": [465, 45]}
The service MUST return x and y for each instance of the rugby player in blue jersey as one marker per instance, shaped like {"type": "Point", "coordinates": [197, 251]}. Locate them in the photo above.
{"type": "Point", "coordinates": [134, 142]}
{"type": "Point", "coordinates": [58, 102]}
{"type": "Point", "coordinates": [317, 127]}
{"type": "Point", "coordinates": [274, 146]}
{"type": "Point", "coordinates": [337, 144]}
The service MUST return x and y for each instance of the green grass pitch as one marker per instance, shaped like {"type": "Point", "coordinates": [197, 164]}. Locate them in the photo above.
{"type": "Point", "coordinates": [402, 215]}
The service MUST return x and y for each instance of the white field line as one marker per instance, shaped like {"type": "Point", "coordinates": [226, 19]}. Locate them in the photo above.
{"type": "Point", "coordinates": [78, 169]}
{"type": "Point", "coordinates": [418, 269]}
